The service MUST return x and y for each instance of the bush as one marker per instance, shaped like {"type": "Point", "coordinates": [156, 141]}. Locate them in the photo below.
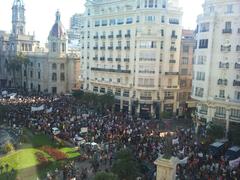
{"type": "Point", "coordinates": [41, 158]}
{"type": "Point", "coordinates": [8, 147]}
{"type": "Point", "coordinates": [54, 153]}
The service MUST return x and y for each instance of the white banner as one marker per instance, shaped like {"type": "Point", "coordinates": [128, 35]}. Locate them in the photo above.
{"type": "Point", "coordinates": [49, 110]}
{"type": "Point", "coordinates": [84, 130]}
{"type": "Point", "coordinates": [183, 161]}
{"type": "Point", "coordinates": [40, 108]}
{"type": "Point", "coordinates": [234, 163]}
{"type": "Point", "coordinates": [175, 141]}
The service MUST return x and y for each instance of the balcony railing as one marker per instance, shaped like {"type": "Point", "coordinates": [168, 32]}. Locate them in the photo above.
{"type": "Point", "coordinates": [119, 36]}
{"type": "Point", "coordinates": [168, 97]}
{"type": "Point", "coordinates": [223, 65]}
{"type": "Point", "coordinates": [147, 98]}
{"type": "Point", "coordinates": [236, 83]}
{"type": "Point", "coordinates": [110, 47]}
{"type": "Point", "coordinates": [102, 58]}
{"type": "Point", "coordinates": [110, 59]}
{"type": "Point", "coordinates": [173, 48]}
{"type": "Point", "coordinates": [103, 37]}
{"type": "Point", "coordinates": [110, 36]}
{"type": "Point", "coordinates": [95, 47]}
{"type": "Point", "coordinates": [126, 59]}
{"type": "Point", "coordinates": [172, 61]}
{"type": "Point", "coordinates": [173, 36]}
{"type": "Point", "coordinates": [225, 48]}
{"type": "Point", "coordinates": [118, 59]}
{"type": "Point", "coordinates": [217, 115]}
{"type": "Point", "coordinates": [111, 70]}
{"type": "Point", "coordinates": [238, 48]}
{"type": "Point", "coordinates": [237, 65]}
{"type": "Point", "coordinates": [95, 37]}
{"type": "Point", "coordinates": [127, 47]}
{"type": "Point", "coordinates": [127, 35]}
{"type": "Point", "coordinates": [234, 118]}
{"type": "Point", "coordinates": [227, 31]}
{"type": "Point", "coordinates": [203, 112]}
{"type": "Point", "coordinates": [103, 48]}
{"type": "Point", "coordinates": [118, 47]}
{"type": "Point", "coordinates": [172, 73]}
{"type": "Point", "coordinates": [222, 82]}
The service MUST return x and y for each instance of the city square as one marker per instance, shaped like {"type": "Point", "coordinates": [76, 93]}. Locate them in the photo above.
{"type": "Point", "coordinates": [125, 93]}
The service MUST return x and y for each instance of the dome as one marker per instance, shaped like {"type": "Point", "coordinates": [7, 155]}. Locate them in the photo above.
{"type": "Point", "coordinates": [57, 30]}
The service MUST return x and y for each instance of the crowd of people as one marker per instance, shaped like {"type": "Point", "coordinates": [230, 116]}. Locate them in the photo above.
{"type": "Point", "coordinates": [114, 131]}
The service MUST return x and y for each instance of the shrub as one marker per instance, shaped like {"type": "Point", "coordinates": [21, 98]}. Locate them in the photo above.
{"type": "Point", "coordinates": [41, 158]}
{"type": "Point", "coordinates": [54, 153]}
{"type": "Point", "coordinates": [8, 147]}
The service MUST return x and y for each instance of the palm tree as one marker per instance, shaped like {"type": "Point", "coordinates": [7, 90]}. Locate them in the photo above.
{"type": "Point", "coordinates": [15, 65]}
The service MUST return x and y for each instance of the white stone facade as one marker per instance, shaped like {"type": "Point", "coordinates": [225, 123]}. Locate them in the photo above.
{"type": "Point", "coordinates": [131, 49]}
{"type": "Point", "coordinates": [216, 70]}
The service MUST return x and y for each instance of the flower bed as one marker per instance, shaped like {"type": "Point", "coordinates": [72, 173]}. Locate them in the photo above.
{"type": "Point", "coordinates": [54, 153]}
{"type": "Point", "coordinates": [41, 158]}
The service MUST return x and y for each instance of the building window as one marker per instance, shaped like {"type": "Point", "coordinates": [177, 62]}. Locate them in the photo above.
{"type": "Point", "coordinates": [54, 47]}
{"type": "Point", "coordinates": [95, 89]}
{"type": "Point", "coordinates": [63, 47]}
{"type": "Point", "coordinates": [220, 111]}
{"type": "Point", "coordinates": [120, 21]}
{"type": "Point", "coordinates": [173, 21]}
{"type": "Point", "coordinates": [54, 66]}
{"type": "Point", "coordinates": [112, 22]}
{"type": "Point", "coordinates": [184, 60]}
{"type": "Point", "coordinates": [150, 4]}
{"type": "Point", "coordinates": [39, 75]}
{"type": "Point", "coordinates": [204, 27]}
{"type": "Point", "coordinates": [200, 76]}
{"type": "Point", "coordinates": [126, 93]}
{"type": "Point", "coordinates": [199, 92]}
{"type": "Point", "coordinates": [235, 113]}
{"type": "Point", "coordinates": [162, 19]}
{"type": "Point", "coordinates": [129, 20]}
{"type": "Point", "coordinates": [97, 23]}
{"type": "Point", "coordinates": [118, 92]}
{"type": "Point", "coordinates": [229, 9]}
{"type": "Point", "coordinates": [222, 93]}
{"type": "Point", "coordinates": [102, 90]}
{"type": "Point", "coordinates": [62, 66]}
{"type": "Point", "coordinates": [201, 59]}
{"type": "Point", "coordinates": [186, 49]}
{"type": "Point", "coordinates": [62, 77]}
{"type": "Point", "coordinates": [31, 74]}
{"type": "Point", "coordinates": [184, 71]}
{"type": "Point", "coordinates": [204, 109]}
{"type": "Point", "coordinates": [237, 95]}
{"type": "Point", "coordinates": [203, 43]}
{"type": "Point", "coordinates": [54, 76]}
{"type": "Point", "coordinates": [228, 25]}
{"type": "Point", "coordinates": [150, 18]}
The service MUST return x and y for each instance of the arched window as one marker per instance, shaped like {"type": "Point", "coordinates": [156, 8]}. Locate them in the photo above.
{"type": "Point", "coordinates": [150, 4]}
{"type": "Point", "coordinates": [62, 66]}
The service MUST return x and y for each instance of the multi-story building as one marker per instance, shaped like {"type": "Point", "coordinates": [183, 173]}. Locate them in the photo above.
{"type": "Point", "coordinates": [188, 44]}
{"type": "Point", "coordinates": [76, 24]}
{"type": "Point", "coordinates": [216, 70]}
{"type": "Point", "coordinates": [131, 49]}
{"type": "Point", "coordinates": [51, 70]}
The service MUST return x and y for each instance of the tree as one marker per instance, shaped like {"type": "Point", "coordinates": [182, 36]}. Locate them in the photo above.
{"type": "Point", "coordinates": [215, 131]}
{"type": "Point", "coordinates": [126, 166]}
{"type": "Point", "coordinates": [15, 65]}
{"type": "Point", "coordinates": [8, 147]}
{"type": "Point", "coordinates": [2, 113]}
{"type": "Point", "coordinates": [105, 176]}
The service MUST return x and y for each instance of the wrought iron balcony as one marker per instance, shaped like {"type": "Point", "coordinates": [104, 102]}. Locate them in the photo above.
{"type": "Point", "coordinates": [119, 47]}
{"type": "Point", "coordinates": [225, 48]}
{"type": "Point", "coordinates": [118, 59]}
{"type": "Point", "coordinates": [236, 83]}
{"type": "Point", "coordinates": [172, 73]}
{"type": "Point", "coordinates": [227, 31]}
{"type": "Point", "coordinates": [126, 59]}
{"type": "Point", "coordinates": [103, 48]}
{"type": "Point", "coordinates": [173, 36]}
{"type": "Point", "coordinates": [110, 59]}
{"type": "Point", "coordinates": [110, 36]}
{"type": "Point", "coordinates": [95, 37]}
{"type": "Point", "coordinates": [102, 58]}
{"type": "Point", "coordinates": [119, 36]}
{"type": "Point", "coordinates": [127, 35]}
{"type": "Point", "coordinates": [111, 70]}
{"type": "Point", "coordinates": [103, 37]}
{"type": "Point", "coordinates": [95, 47]}
{"type": "Point", "coordinates": [110, 47]}
{"type": "Point", "coordinates": [173, 48]}
{"type": "Point", "coordinates": [172, 61]}
{"type": "Point", "coordinates": [127, 47]}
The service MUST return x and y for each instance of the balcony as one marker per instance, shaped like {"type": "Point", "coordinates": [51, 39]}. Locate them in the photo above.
{"type": "Point", "coordinates": [95, 47]}
{"type": "Point", "coordinates": [110, 36]}
{"type": "Point", "coordinates": [119, 36]}
{"type": "Point", "coordinates": [217, 115]}
{"type": "Point", "coordinates": [225, 48]}
{"type": "Point", "coordinates": [127, 47]}
{"type": "Point", "coordinates": [168, 97]}
{"type": "Point", "coordinates": [223, 65]}
{"type": "Point", "coordinates": [118, 47]}
{"type": "Point", "coordinates": [236, 83]}
{"type": "Point", "coordinates": [110, 59]}
{"type": "Point", "coordinates": [118, 59]}
{"type": "Point", "coordinates": [111, 70]}
{"type": "Point", "coordinates": [171, 87]}
{"type": "Point", "coordinates": [237, 65]}
{"type": "Point", "coordinates": [173, 49]}
{"type": "Point", "coordinates": [103, 37]}
{"type": "Point", "coordinates": [172, 73]}
{"type": "Point", "coordinates": [222, 82]}
{"type": "Point", "coordinates": [227, 31]}
{"type": "Point", "coordinates": [95, 37]}
{"type": "Point", "coordinates": [127, 35]}
{"type": "Point", "coordinates": [95, 58]}
{"type": "Point", "coordinates": [234, 118]}
{"type": "Point", "coordinates": [102, 58]}
{"type": "Point", "coordinates": [173, 36]}
{"type": "Point", "coordinates": [146, 98]}
{"type": "Point", "coordinates": [126, 59]}
{"type": "Point", "coordinates": [103, 48]}
{"type": "Point", "coordinates": [110, 47]}
{"type": "Point", "coordinates": [172, 61]}
{"type": "Point", "coordinates": [203, 112]}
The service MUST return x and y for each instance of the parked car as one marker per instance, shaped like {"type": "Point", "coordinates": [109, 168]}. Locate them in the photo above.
{"type": "Point", "coordinates": [79, 140]}
{"type": "Point", "coordinates": [55, 131]}
{"type": "Point", "coordinates": [232, 153]}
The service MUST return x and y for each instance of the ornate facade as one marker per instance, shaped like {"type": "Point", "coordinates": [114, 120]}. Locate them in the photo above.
{"type": "Point", "coordinates": [50, 70]}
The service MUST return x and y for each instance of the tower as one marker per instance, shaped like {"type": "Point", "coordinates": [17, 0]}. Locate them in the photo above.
{"type": "Point", "coordinates": [18, 17]}
{"type": "Point", "coordinates": [57, 37]}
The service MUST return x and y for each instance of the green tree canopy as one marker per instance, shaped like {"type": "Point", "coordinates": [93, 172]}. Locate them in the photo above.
{"type": "Point", "coordinates": [105, 176]}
